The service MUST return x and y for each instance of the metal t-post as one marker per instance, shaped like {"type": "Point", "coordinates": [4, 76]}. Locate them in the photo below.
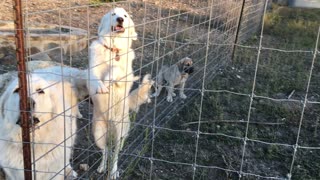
{"type": "Point", "coordinates": [238, 29]}
{"type": "Point", "coordinates": [23, 93]}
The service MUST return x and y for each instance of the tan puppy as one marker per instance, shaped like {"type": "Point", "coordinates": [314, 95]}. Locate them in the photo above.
{"type": "Point", "coordinates": [174, 75]}
{"type": "Point", "coordinates": [141, 95]}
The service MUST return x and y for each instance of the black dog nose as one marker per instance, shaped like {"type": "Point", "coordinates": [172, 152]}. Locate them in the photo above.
{"type": "Point", "coordinates": [189, 70]}
{"type": "Point", "coordinates": [120, 20]}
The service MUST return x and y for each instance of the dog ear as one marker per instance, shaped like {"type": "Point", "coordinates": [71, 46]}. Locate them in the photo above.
{"type": "Point", "coordinates": [11, 89]}
{"type": "Point", "coordinates": [180, 65]}
{"type": "Point", "coordinates": [105, 24]}
{"type": "Point", "coordinates": [132, 31]}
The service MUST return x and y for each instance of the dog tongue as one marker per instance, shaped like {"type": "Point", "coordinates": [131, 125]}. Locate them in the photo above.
{"type": "Point", "coordinates": [119, 28]}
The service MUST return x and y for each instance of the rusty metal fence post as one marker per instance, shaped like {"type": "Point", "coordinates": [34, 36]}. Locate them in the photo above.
{"type": "Point", "coordinates": [238, 29]}
{"type": "Point", "coordinates": [23, 93]}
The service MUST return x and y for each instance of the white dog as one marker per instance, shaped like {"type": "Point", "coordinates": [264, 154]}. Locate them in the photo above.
{"type": "Point", "coordinates": [116, 32]}
{"type": "Point", "coordinates": [75, 78]}
{"type": "Point", "coordinates": [111, 78]}
{"type": "Point", "coordinates": [53, 111]}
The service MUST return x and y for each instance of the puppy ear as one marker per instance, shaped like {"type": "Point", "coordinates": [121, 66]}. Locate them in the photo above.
{"type": "Point", "coordinates": [132, 31]}
{"type": "Point", "coordinates": [181, 62]}
{"type": "Point", "coordinates": [146, 78]}
{"type": "Point", "coordinates": [105, 24]}
{"type": "Point", "coordinates": [180, 65]}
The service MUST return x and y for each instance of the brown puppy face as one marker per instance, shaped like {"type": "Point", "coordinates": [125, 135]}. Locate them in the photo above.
{"type": "Point", "coordinates": [187, 65]}
{"type": "Point", "coordinates": [187, 61]}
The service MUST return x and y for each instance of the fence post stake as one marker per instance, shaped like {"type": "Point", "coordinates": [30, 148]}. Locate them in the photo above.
{"type": "Point", "coordinates": [23, 93]}
{"type": "Point", "coordinates": [238, 29]}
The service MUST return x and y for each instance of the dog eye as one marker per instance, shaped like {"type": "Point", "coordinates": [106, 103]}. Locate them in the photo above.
{"type": "Point", "coordinates": [40, 91]}
{"type": "Point", "coordinates": [125, 15]}
{"type": "Point", "coordinates": [113, 14]}
{"type": "Point", "coordinates": [16, 90]}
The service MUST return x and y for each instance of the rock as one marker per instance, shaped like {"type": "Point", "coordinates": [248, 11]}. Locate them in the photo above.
{"type": "Point", "coordinates": [40, 56]}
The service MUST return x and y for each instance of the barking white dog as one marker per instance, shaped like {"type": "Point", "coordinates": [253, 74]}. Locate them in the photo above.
{"type": "Point", "coordinates": [111, 79]}
{"type": "Point", "coordinates": [50, 115]}
{"type": "Point", "coordinates": [111, 76]}
{"type": "Point", "coordinates": [116, 32]}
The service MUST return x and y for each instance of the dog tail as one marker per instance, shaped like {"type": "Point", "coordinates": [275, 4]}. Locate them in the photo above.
{"type": "Point", "coordinates": [140, 95]}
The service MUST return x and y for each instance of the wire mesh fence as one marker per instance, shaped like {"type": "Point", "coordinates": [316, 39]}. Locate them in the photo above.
{"type": "Point", "coordinates": [248, 116]}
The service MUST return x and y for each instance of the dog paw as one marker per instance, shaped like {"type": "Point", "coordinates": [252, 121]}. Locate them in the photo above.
{"type": "Point", "coordinates": [173, 94]}
{"type": "Point", "coordinates": [169, 98]}
{"type": "Point", "coordinates": [70, 173]}
{"type": "Point", "coordinates": [148, 100]}
{"type": "Point", "coordinates": [102, 89]}
{"type": "Point", "coordinates": [72, 176]}
{"type": "Point", "coordinates": [79, 115]}
{"type": "Point", "coordinates": [183, 96]}
{"type": "Point", "coordinates": [102, 168]}
{"type": "Point", "coordinates": [97, 87]}
{"type": "Point", "coordinates": [154, 95]}
{"type": "Point", "coordinates": [115, 175]}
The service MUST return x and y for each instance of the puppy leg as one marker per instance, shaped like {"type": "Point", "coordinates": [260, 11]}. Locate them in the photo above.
{"type": "Point", "coordinates": [159, 86]}
{"type": "Point", "coordinates": [170, 92]}
{"type": "Point", "coordinates": [158, 90]}
{"type": "Point", "coordinates": [100, 136]}
{"type": "Point", "coordinates": [70, 173]}
{"type": "Point", "coordinates": [182, 95]}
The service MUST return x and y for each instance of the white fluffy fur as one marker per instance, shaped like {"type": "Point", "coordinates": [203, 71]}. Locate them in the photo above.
{"type": "Point", "coordinates": [6, 78]}
{"type": "Point", "coordinates": [141, 95]}
{"type": "Point", "coordinates": [47, 134]}
{"type": "Point", "coordinates": [112, 79]}
{"type": "Point", "coordinates": [101, 58]}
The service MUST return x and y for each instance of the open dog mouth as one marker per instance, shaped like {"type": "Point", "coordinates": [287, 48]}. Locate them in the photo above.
{"type": "Point", "coordinates": [118, 29]}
